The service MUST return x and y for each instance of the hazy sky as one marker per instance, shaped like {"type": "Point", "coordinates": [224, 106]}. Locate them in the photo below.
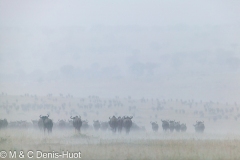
{"type": "Point", "coordinates": [169, 44]}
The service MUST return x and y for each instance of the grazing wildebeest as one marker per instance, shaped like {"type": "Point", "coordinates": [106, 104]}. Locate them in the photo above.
{"type": "Point", "coordinates": [177, 126]}
{"type": "Point", "coordinates": [165, 125]}
{"type": "Point", "coordinates": [127, 123]}
{"type": "Point", "coordinates": [120, 124]}
{"type": "Point", "coordinates": [3, 123]}
{"type": "Point", "coordinates": [85, 125]}
{"type": "Point", "coordinates": [183, 127]}
{"type": "Point", "coordinates": [113, 123]}
{"type": "Point", "coordinates": [199, 126]}
{"type": "Point", "coordinates": [77, 123]}
{"type": "Point", "coordinates": [154, 126]}
{"type": "Point", "coordinates": [104, 126]}
{"type": "Point", "coordinates": [96, 125]}
{"type": "Point", "coordinates": [171, 125]}
{"type": "Point", "coordinates": [47, 123]}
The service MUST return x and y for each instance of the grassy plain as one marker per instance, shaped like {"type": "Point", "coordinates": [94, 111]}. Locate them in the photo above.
{"type": "Point", "coordinates": [142, 147]}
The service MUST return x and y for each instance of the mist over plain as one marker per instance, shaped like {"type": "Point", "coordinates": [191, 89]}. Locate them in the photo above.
{"type": "Point", "coordinates": [139, 48]}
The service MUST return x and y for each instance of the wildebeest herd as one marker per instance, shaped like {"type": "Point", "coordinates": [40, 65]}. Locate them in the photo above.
{"type": "Point", "coordinates": [114, 124]}
{"type": "Point", "coordinates": [84, 114]}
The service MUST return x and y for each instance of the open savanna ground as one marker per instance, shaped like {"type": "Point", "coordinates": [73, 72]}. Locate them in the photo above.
{"type": "Point", "coordinates": [135, 146]}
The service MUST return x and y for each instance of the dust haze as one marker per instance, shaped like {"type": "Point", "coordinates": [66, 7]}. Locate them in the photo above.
{"type": "Point", "coordinates": [155, 49]}
{"type": "Point", "coordinates": [149, 60]}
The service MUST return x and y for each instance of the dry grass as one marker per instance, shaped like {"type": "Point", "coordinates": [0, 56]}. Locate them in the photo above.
{"type": "Point", "coordinates": [122, 148]}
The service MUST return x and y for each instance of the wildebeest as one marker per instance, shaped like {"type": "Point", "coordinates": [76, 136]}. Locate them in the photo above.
{"type": "Point", "coordinates": [183, 127]}
{"type": "Point", "coordinates": [120, 124]}
{"type": "Point", "coordinates": [3, 123]}
{"type": "Point", "coordinates": [85, 125]}
{"type": "Point", "coordinates": [171, 125]}
{"type": "Point", "coordinates": [47, 123]}
{"type": "Point", "coordinates": [199, 126]}
{"type": "Point", "coordinates": [96, 125]}
{"type": "Point", "coordinates": [154, 126]}
{"type": "Point", "coordinates": [165, 125]}
{"type": "Point", "coordinates": [177, 126]}
{"type": "Point", "coordinates": [62, 124]}
{"type": "Point", "coordinates": [127, 123]}
{"type": "Point", "coordinates": [113, 123]}
{"type": "Point", "coordinates": [104, 126]}
{"type": "Point", "coordinates": [77, 123]}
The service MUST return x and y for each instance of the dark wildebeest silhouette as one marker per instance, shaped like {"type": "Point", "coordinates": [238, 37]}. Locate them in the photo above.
{"type": "Point", "coordinates": [165, 125]}
{"type": "Point", "coordinates": [47, 123]}
{"type": "Point", "coordinates": [113, 123]}
{"type": "Point", "coordinates": [77, 123]}
{"type": "Point", "coordinates": [120, 124]}
{"type": "Point", "coordinates": [177, 126]}
{"type": "Point", "coordinates": [154, 126]}
{"type": "Point", "coordinates": [127, 123]}
{"type": "Point", "coordinates": [199, 126]}
{"type": "Point", "coordinates": [3, 123]}
{"type": "Point", "coordinates": [183, 127]}
{"type": "Point", "coordinates": [171, 125]}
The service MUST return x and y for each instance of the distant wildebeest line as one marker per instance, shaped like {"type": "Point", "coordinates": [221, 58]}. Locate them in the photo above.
{"type": "Point", "coordinates": [116, 124]}
{"type": "Point", "coordinates": [172, 125]}
{"type": "Point", "coordinates": [208, 111]}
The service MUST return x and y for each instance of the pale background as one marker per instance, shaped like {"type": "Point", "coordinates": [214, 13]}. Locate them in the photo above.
{"type": "Point", "coordinates": [167, 49]}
